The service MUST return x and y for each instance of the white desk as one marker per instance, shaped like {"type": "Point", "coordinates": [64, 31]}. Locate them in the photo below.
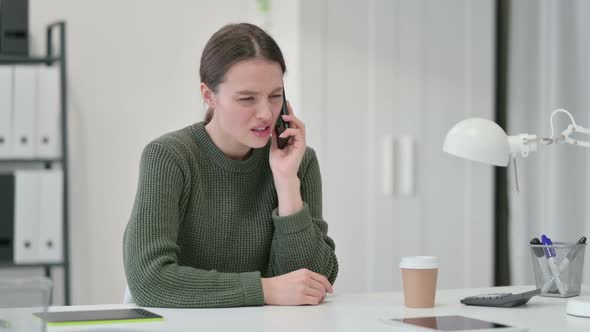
{"type": "Point", "coordinates": [349, 312]}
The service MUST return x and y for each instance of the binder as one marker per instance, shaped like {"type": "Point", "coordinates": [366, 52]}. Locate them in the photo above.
{"type": "Point", "coordinates": [5, 111]}
{"type": "Point", "coordinates": [48, 140]}
{"type": "Point", "coordinates": [23, 125]}
{"type": "Point", "coordinates": [51, 217]}
{"type": "Point", "coordinates": [26, 216]}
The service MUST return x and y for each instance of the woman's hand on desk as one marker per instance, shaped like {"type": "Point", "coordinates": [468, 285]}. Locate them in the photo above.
{"type": "Point", "coordinates": [296, 288]}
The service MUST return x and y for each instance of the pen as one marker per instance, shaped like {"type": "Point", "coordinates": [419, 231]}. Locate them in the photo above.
{"type": "Point", "coordinates": [544, 267]}
{"type": "Point", "coordinates": [538, 251]}
{"type": "Point", "coordinates": [571, 255]}
{"type": "Point", "coordinates": [550, 254]}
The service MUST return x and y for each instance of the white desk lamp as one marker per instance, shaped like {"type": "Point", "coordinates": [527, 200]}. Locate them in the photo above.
{"type": "Point", "coordinates": [484, 141]}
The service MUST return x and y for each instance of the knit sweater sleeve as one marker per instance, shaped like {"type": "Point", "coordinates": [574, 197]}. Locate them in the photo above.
{"type": "Point", "coordinates": [301, 240]}
{"type": "Point", "coordinates": [151, 251]}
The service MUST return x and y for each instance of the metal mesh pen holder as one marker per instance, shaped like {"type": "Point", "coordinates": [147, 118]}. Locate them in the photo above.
{"type": "Point", "coordinates": [558, 268]}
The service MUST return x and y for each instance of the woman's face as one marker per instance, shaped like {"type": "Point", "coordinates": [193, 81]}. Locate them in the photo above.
{"type": "Point", "coordinates": [248, 102]}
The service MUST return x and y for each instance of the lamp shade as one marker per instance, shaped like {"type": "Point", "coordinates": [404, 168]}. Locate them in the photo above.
{"type": "Point", "coordinates": [479, 140]}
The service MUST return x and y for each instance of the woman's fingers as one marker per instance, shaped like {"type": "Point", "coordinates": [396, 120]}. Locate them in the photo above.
{"type": "Point", "coordinates": [294, 122]}
{"type": "Point", "coordinates": [291, 132]}
{"type": "Point", "coordinates": [323, 281]}
{"type": "Point", "coordinates": [296, 137]}
{"type": "Point", "coordinates": [273, 143]}
{"type": "Point", "coordinates": [311, 300]}
{"type": "Point", "coordinates": [296, 127]}
{"type": "Point", "coordinates": [316, 289]}
{"type": "Point", "coordinates": [320, 294]}
{"type": "Point", "coordinates": [318, 285]}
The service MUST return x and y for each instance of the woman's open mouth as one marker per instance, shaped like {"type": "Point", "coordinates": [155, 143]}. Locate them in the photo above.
{"type": "Point", "coordinates": [261, 131]}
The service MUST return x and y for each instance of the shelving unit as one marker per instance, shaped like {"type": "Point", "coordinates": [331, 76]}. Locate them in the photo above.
{"type": "Point", "coordinates": [51, 58]}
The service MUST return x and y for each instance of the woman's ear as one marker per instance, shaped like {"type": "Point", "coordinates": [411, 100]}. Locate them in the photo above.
{"type": "Point", "coordinates": [208, 95]}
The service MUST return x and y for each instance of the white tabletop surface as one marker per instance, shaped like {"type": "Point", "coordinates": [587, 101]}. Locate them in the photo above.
{"type": "Point", "coordinates": [349, 312]}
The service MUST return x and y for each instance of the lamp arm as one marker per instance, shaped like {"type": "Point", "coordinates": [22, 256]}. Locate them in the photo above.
{"type": "Point", "coordinates": [525, 143]}
{"type": "Point", "coordinates": [553, 115]}
{"type": "Point", "coordinates": [565, 135]}
{"type": "Point", "coordinates": [522, 144]}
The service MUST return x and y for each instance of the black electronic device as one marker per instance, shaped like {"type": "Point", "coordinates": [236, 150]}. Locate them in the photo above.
{"type": "Point", "coordinates": [505, 300]}
{"type": "Point", "coordinates": [448, 323]}
{"type": "Point", "coordinates": [282, 125]}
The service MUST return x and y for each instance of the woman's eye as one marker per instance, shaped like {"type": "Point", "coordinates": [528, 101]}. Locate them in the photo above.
{"type": "Point", "coordinates": [276, 96]}
{"type": "Point", "coordinates": [246, 99]}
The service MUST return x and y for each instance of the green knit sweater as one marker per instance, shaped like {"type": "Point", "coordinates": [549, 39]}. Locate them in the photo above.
{"type": "Point", "coordinates": [204, 228]}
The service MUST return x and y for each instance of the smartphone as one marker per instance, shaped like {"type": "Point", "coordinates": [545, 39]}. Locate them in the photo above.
{"type": "Point", "coordinates": [281, 125]}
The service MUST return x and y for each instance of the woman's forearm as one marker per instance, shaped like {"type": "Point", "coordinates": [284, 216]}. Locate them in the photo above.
{"type": "Point", "coordinates": [289, 195]}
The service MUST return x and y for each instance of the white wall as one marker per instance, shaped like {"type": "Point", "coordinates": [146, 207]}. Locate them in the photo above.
{"type": "Point", "coordinates": [394, 68]}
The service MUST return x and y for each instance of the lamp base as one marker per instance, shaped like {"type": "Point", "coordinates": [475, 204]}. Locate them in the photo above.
{"type": "Point", "coordinates": [579, 306]}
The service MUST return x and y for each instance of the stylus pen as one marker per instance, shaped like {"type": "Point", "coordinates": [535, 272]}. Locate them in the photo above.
{"type": "Point", "coordinates": [550, 254]}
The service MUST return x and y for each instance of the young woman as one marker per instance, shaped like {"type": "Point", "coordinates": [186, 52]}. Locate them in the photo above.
{"type": "Point", "coordinates": [222, 216]}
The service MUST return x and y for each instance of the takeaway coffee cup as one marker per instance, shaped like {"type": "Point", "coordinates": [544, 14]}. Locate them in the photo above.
{"type": "Point", "coordinates": [419, 280]}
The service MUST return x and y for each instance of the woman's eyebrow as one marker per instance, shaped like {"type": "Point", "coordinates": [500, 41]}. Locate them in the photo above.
{"type": "Point", "coordinates": [247, 92]}
{"type": "Point", "coordinates": [253, 93]}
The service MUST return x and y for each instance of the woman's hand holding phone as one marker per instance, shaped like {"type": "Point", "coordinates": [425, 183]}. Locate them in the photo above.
{"type": "Point", "coordinates": [285, 162]}
{"type": "Point", "coordinates": [281, 125]}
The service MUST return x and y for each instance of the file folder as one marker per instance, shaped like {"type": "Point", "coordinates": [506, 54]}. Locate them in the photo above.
{"type": "Point", "coordinates": [26, 216]}
{"type": "Point", "coordinates": [48, 140]}
{"type": "Point", "coordinates": [5, 111]}
{"type": "Point", "coordinates": [23, 125]}
{"type": "Point", "coordinates": [51, 217]}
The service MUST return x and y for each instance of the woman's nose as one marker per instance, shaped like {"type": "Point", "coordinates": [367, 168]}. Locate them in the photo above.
{"type": "Point", "coordinates": [264, 112]}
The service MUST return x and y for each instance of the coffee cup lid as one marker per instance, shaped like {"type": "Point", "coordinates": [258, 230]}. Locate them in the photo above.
{"type": "Point", "coordinates": [419, 262]}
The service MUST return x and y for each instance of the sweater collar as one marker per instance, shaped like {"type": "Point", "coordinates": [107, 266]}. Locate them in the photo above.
{"type": "Point", "coordinates": [218, 157]}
